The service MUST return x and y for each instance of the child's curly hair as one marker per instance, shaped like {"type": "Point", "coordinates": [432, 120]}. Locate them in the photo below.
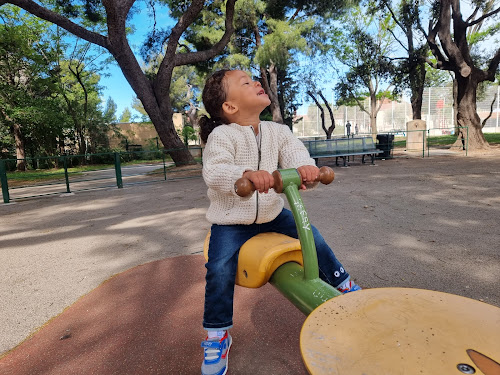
{"type": "Point", "coordinates": [213, 96]}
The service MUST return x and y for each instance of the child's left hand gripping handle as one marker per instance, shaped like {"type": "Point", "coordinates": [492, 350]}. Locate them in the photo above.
{"type": "Point", "coordinates": [244, 187]}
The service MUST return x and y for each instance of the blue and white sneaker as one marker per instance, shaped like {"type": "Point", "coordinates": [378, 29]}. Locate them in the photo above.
{"type": "Point", "coordinates": [216, 355]}
{"type": "Point", "coordinates": [348, 286]}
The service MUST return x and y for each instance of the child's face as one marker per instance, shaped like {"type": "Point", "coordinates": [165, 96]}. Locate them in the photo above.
{"type": "Point", "coordinates": [244, 95]}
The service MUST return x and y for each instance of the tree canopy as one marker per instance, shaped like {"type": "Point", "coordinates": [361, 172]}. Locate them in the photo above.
{"type": "Point", "coordinates": [106, 24]}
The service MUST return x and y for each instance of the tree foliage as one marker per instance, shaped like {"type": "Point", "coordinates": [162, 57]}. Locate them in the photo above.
{"type": "Point", "coordinates": [410, 64]}
{"type": "Point", "coordinates": [29, 111]}
{"type": "Point", "coordinates": [51, 96]}
{"type": "Point", "coordinates": [106, 24]}
{"type": "Point", "coordinates": [363, 49]}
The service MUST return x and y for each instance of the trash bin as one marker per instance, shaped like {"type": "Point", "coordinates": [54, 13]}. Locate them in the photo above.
{"type": "Point", "coordinates": [385, 142]}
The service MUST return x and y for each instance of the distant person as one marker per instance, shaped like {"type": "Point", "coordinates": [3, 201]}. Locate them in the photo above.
{"type": "Point", "coordinates": [356, 129]}
{"type": "Point", "coordinates": [348, 127]}
{"type": "Point", "coordinates": [239, 145]}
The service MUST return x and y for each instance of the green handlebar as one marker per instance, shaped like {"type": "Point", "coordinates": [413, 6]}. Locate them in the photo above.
{"type": "Point", "coordinates": [288, 181]}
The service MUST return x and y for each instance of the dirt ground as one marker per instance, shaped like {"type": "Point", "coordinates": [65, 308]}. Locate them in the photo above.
{"type": "Point", "coordinates": [429, 223]}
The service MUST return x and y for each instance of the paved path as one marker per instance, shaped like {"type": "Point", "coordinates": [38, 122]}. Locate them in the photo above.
{"type": "Point", "coordinates": [424, 223]}
{"type": "Point", "coordinates": [99, 179]}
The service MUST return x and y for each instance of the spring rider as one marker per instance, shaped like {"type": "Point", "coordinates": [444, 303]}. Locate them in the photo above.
{"type": "Point", "coordinates": [380, 331]}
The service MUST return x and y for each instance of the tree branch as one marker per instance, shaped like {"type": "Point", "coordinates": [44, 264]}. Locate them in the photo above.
{"type": "Point", "coordinates": [491, 111]}
{"type": "Point", "coordinates": [331, 128]}
{"type": "Point", "coordinates": [393, 15]}
{"type": "Point", "coordinates": [480, 19]}
{"type": "Point", "coordinates": [194, 57]}
{"type": "Point", "coordinates": [493, 65]}
{"type": "Point", "coordinates": [297, 11]}
{"type": "Point", "coordinates": [65, 23]}
{"type": "Point", "coordinates": [321, 110]}
{"type": "Point", "coordinates": [186, 19]}
{"type": "Point", "coordinates": [449, 46]}
{"type": "Point", "coordinates": [397, 39]}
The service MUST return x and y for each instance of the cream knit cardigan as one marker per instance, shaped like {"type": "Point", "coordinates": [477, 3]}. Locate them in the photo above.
{"type": "Point", "coordinates": [233, 149]}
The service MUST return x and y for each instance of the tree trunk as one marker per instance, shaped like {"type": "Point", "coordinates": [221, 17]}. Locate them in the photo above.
{"type": "Point", "coordinates": [82, 145]}
{"type": "Point", "coordinates": [192, 114]}
{"type": "Point", "coordinates": [417, 80]}
{"type": "Point", "coordinates": [330, 129]}
{"type": "Point", "coordinates": [273, 87]}
{"type": "Point", "coordinates": [164, 125]}
{"type": "Point", "coordinates": [330, 112]}
{"type": "Point", "coordinates": [20, 147]}
{"type": "Point", "coordinates": [468, 121]}
{"type": "Point", "coordinates": [322, 115]}
{"type": "Point", "coordinates": [373, 114]}
{"type": "Point", "coordinates": [270, 85]}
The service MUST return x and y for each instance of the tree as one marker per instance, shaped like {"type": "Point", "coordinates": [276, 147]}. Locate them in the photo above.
{"type": "Point", "coordinates": [273, 36]}
{"type": "Point", "coordinates": [28, 107]}
{"type": "Point", "coordinates": [410, 71]}
{"type": "Point", "coordinates": [450, 45]}
{"type": "Point", "coordinates": [78, 87]}
{"type": "Point", "coordinates": [126, 115]}
{"type": "Point", "coordinates": [186, 86]}
{"type": "Point", "coordinates": [109, 114]}
{"type": "Point", "coordinates": [153, 91]}
{"type": "Point", "coordinates": [276, 53]}
{"type": "Point", "coordinates": [363, 48]}
{"type": "Point", "coordinates": [331, 128]}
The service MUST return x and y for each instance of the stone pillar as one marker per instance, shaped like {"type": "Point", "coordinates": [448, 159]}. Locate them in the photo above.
{"type": "Point", "coordinates": [416, 136]}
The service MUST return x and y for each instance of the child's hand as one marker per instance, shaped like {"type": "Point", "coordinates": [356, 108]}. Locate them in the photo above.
{"type": "Point", "coordinates": [262, 180]}
{"type": "Point", "coordinates": [308, 174]}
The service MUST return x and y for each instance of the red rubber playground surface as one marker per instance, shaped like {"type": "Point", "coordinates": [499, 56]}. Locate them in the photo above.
{"type": "Point", "coordinates": [147, 320]}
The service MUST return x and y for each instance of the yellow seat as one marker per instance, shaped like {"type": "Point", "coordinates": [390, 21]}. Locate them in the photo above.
{"type": "Point", "coordinates": [261, 255]}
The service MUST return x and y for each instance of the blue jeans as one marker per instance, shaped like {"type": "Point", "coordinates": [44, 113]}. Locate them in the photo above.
{"type": "Point", "coordinates": [223, 251]}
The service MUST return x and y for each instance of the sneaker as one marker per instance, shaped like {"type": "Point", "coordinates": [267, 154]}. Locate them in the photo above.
{"type": "Point", "coordinates": [348, 287]}
{"type": "Point", "coordinates": [216, 355]}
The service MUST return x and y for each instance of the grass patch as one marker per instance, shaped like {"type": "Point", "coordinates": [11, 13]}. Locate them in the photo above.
{"type": "Point", "coordinates": [36, 176]}
{"type": "Point", "coordinates": [448, 140]}
{"type": "Point", "coordinates": [492, 138]}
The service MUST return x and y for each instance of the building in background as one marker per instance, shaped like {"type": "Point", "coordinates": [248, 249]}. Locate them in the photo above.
{"type": "Point", "coordinates": [135, 136]}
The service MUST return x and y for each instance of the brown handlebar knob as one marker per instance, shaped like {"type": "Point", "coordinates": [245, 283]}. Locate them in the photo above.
{"type": "Point", "coordinates": [326, 175]}
{"type": "Point", "coordinates": [244, 187]}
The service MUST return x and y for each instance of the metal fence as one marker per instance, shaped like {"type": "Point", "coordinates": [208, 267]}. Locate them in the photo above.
{"type": "Point", "coordinates": [66, 174]}
{"type": "Point", "coordinates": [437, 111]}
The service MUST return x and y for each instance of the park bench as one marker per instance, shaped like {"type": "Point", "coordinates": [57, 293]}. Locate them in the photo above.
{"type": "Point", "coordinates": [342, 148]}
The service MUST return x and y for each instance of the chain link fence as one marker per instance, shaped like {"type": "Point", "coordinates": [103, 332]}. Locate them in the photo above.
{"type": "Point", "coordinates": [437, 111]}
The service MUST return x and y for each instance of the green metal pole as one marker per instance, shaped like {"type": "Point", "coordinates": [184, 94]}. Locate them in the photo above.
{"type": "Point", "coordinates": [118, 170]}
{"type": "Point", "coordinates": [3, 180]}
{"type": "Point", "coordinates": [66, 176]}
{"type": "Point", "coordinates": [423, 143]}
{"type": "Point", "coordinates": [467, 142]}
{"type": "Point", "coordinates": [291, 181]}
{"type": "Point", "coordinates": [164, 166]}
{"type": "Point", "coordinates": [306, 295]}
{"type": "Point", "coordinates": [428, 136]}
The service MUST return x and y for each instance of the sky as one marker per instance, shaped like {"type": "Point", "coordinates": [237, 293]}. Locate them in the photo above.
{"type": "Point", "coordinates": [115, 85]}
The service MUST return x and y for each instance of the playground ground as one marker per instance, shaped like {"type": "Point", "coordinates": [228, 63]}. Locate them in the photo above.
{"type": "Point", "coordinates": [427, 223]}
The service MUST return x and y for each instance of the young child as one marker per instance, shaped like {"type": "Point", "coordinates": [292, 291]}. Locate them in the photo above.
{"type": "Point", "coordinates": [238, 145]}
